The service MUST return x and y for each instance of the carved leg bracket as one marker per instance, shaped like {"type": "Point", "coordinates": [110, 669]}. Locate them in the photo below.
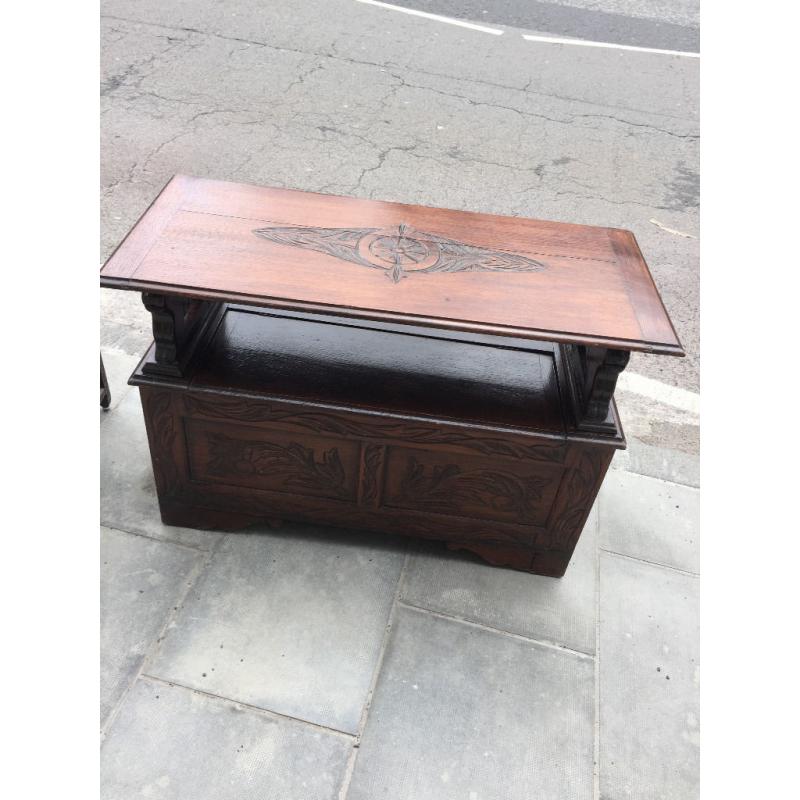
{"type": "Point", "coordinates": [592, 374]}
{"type": "Point", "coordinates": [179, 325]}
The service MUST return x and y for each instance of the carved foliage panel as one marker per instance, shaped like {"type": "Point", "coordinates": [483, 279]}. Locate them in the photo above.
{"type": "Point", "coordinates": [165, 443]}
{"type": "Point", "coordinates": [274, 461]}
{"type": "Point", "coordinates": [586, 467]}
{"type": "Point", "coordinates": [445, 472]}
{"type": "Point", "coordinates": [490, 489]}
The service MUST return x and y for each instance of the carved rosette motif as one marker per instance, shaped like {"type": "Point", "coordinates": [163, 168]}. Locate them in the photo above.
{"type": "Point", "coordinates": [446, 488]}
{"type": "Point", "coordinates": [400, 251]}
{"type": "Point", "coordinates": [323, 422]}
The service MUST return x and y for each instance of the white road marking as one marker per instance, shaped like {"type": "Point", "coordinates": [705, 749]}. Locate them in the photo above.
{"type": "Point", "coordinates": [582, 43]}
{"type": "Point", "coordinates": [437, 17]}
{"type": "Point", "coordinates": [673, 396]}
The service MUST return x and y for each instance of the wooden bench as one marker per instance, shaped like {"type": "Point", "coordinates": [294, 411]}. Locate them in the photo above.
{"type": "Point", "coordinates": [374, 365]}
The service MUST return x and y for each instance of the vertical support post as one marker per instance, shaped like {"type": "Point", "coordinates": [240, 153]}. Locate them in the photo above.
{"type": "Point", "coordinates": [592, 374]}
{"type": "Point", "coordinates": [603, 382]}
{"type": "Point", "coordinates": [179, 324]}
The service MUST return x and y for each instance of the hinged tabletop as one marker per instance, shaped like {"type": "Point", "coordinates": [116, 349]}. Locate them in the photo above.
{"type": "Point", "coordinates": [453, 269]}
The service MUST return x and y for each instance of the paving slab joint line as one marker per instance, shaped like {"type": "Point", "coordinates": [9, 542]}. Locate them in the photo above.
{"type": "Point", "coordinates": [620, 468]}
{"type": "Point", "coordinates": [655, 477]}
{"type": "Point", "coordinates": [266, 711]}
{"type": "Point", "coordinates": [192, 547]}
{"type": "Point", "coordinates": [194, 575]}
{"type": "Point", "coordinates": [362, 723]}
{"type": "Point", "coordinates": [651, 563]}
{"type": "Point", "coordinates": [499, 631]}
{"type": "Point", "coordinates": [596, 751]}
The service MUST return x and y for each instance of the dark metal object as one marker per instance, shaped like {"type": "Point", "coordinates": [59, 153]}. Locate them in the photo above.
{"type": "Point", "coordinates": [105, 392]}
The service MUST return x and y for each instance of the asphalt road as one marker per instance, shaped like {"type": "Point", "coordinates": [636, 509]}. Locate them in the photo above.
{"type": "Point", "coordinates": [349, 98]}
{"type": "Point", "coordinates": [640, 23]}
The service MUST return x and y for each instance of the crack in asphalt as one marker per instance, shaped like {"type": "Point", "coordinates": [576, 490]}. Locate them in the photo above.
{"type": "Point", "coordinates": [388, 65]}
{"type": "Point", "coordinates": [470, 101]}
{"type": "Point", "coordinates": [138, 71]}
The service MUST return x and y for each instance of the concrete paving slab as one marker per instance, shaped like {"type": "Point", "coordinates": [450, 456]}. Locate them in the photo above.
{"type": "Point", "coordinates": [650, 407]}
{"type": "Point", "coordinates": [649, 676]}
{"type": "Point", "coordinates": [290, 621]}
{"type": "Point", "coordinates": [122, 337]}
{"type": "Point", "coordinates": [650, 519]}
{"type": "Point", "coordinates": [126, 324]}
{"type": "Point", "coordinates": [141, 581]}
{"type": "Point", "coordinates": [664, 463]}
{"type": "Point", "coordinates": [461, 712]}
{"type": "Point", "coordinates": [128, 499]}
{"type": "Point", "coordinates": [172, 743]}
{"type": "Point", "coordinates": [561, 611]}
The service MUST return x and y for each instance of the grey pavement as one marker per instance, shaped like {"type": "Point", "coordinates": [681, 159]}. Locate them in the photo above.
{"type": "Point", "coordinates": [529, 605]}
{"type": "Point", "coordinates": [649, 676]}
{"type": "Point", "coordinates": [141, 582]}
{"type": "Point", "coordinates": [341, 666]}
{"type": "Point", "coordinates": [319, 606]}
{"type": "Point", "coordinates": [651, 519]}
{"type": "Point", "coordinates": [462, 711]}
{"type": "Point", "coordinates": [172, 744]}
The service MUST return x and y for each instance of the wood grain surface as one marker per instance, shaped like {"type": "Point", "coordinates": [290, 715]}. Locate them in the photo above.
{"type": "Point", "coordinates": [282, 248]}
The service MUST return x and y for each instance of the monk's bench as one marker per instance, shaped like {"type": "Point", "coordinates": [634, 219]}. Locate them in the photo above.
{"type": "Point", "coordinates": [373, 365]}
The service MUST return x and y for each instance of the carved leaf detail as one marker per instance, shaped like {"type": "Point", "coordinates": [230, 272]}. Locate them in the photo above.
{"type": "Point", "coordinates": [297, 464]}
{"type": "Point", "coordinates": [372, 466]}
{"type": "Point", "coordinates": [162, 420]}
{"type": "Point", "coordinates": [400, 251]}
{"type": "Point", "coordinates": [338, 242]}
{"type": "Point", "coordinates": [460, 257]}
{"type": "Point", "coordinates": [579, 493]}
{"type": "Point", "coordinates": [446, 488]}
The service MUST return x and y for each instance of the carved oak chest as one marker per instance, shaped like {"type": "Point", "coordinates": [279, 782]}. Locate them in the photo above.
{"type": "Point", "coordinates": [386, 367]}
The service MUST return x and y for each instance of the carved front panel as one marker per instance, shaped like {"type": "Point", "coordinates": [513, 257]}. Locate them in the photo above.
{"type": "Point", "coordinates": [506, 490]}
{"type": "Point", "coordinates": [274, 460]}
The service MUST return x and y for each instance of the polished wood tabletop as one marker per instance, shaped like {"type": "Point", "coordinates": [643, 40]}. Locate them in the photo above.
{"type": "Point", "coordinates": [483, 273]}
